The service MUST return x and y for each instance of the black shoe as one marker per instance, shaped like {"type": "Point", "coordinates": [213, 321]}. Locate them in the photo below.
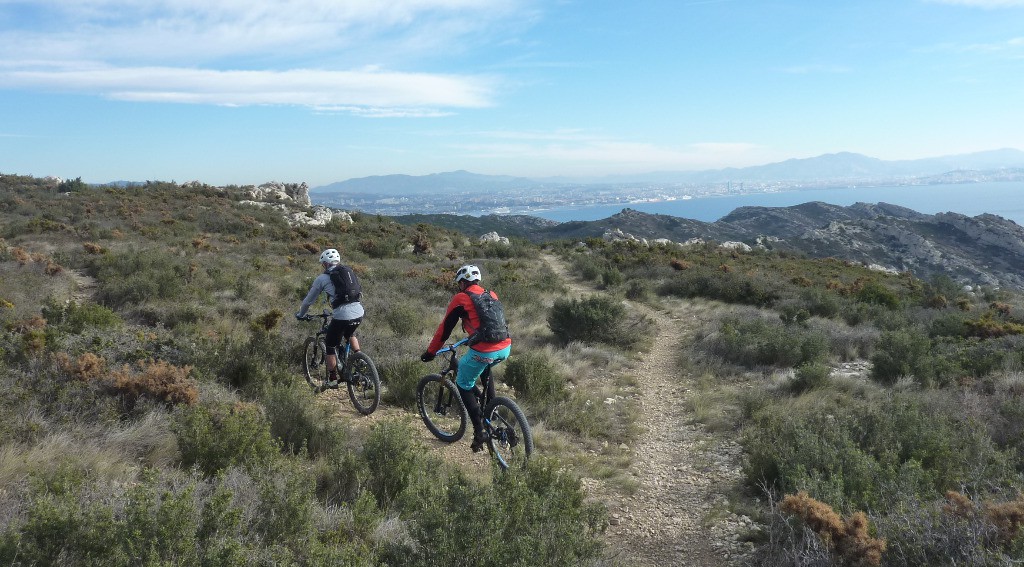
{"type": "Point", "coordinates": [478, 442]}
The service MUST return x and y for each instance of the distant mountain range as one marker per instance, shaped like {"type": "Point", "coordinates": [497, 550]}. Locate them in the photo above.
{"type": "Point", "coordinates": [829, 167]}
{"type": "Point", "coordinates": [985, 249]}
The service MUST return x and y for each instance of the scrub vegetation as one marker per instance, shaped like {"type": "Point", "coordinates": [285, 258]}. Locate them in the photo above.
{"type": "Point", "coordinates": [152, 408]}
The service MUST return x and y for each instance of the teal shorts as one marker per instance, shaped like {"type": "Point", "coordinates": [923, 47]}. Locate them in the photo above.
{"type": "Point", "coordinates": [473, 363]}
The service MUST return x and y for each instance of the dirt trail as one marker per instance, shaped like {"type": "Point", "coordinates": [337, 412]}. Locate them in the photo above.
{"type": "Point", "coordinates": [678, 515]}
{"type": "Point", "coordinates": [85, 286]}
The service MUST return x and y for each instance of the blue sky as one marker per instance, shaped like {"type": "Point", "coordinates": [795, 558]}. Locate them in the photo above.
{"type": "Point", "coordinates": [239, 92]}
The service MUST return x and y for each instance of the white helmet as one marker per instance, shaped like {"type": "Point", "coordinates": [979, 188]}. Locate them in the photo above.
{"type": "Point", "coordinates": [330, 256]}
{"type": "Point", "coordinates": [469, 272]}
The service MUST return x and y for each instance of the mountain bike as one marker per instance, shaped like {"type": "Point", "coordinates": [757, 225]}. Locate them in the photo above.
{"type": "Point", "coordinates": [509, 439]}
{"type": "Point", "coordinates": [355, 369]}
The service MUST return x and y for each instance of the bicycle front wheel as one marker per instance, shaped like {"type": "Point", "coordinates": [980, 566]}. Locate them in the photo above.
{"type": "Point", "coordinates": [441, 408]}
{"type": "Point", "coordinates": [511, 442]}
{"type": "Point", "coordinates": [314, 363]}
{"type": "Point", "coordinates": [364, 383]}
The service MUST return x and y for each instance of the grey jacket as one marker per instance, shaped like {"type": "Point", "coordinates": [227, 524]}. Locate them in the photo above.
{"type": "Point", "coordinates": [321, 284]}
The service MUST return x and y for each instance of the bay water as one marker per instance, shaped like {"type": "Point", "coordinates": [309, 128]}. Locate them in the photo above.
{"type": "Point", "coordinates": [1005, 199]}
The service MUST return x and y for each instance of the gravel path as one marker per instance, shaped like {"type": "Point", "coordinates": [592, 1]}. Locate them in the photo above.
{"type": "Point", "coordinates": [678, 516]}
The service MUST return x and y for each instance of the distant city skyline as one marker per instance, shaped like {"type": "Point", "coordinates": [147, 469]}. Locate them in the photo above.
{"type": "Point", "coordinates": [320, 91]}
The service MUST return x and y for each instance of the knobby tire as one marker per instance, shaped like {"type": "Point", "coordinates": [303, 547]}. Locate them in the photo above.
{"type": "Point", "coordinates": [441, 408]}
{"type": "Point", "coordinates": [364, 387]}
{"type": "Point", "coordinates": [511, 441]}
{"type": "Point", "coordinates": [314, 363]}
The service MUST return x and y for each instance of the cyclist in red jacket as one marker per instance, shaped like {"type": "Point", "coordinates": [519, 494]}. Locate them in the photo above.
{"type": "Point", "coordinates": [489, 340]}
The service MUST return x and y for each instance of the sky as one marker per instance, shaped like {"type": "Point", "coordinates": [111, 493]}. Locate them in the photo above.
{"type": "Point", "coordinates": [320, 91]}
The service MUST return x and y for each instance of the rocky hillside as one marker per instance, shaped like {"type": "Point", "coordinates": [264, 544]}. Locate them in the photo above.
{"type": "Point", "coordinates": [985, 249]}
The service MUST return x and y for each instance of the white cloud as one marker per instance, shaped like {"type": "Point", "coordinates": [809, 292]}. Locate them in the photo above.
{"type": "Point", "coordinates": [366, 89]}
{"type": "Point", "coordinates": [234, 52]}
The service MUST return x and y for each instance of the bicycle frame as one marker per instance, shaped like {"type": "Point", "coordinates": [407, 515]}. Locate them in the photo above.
{"type": "Point", "coordinates": [485, 393]}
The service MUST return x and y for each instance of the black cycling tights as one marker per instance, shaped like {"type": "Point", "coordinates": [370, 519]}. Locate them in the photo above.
{"type": "Point", "coordinates": [473, 406]}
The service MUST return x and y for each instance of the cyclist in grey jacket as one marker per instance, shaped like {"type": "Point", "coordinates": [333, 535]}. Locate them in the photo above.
{"type": "Point", "coordinates": [344, 320]}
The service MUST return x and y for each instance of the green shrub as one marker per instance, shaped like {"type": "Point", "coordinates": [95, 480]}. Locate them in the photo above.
{"type": "Point", "coordinates": [216, 436]}
{"type": "Point", "coordinates": [401, 377]}
{"type": "Point", "coordinates": [73, 317]}
{"type": "Point", "coordinates": [856, 453]}
{"type": "Point", "coordinates": [727, 286]}
{"type": "Point", "coordinates": [876, 293]}
{"type": "Point", "coordinates": [810, 375]}
{"type": "Point", "coordinates": [540, 512]}
{"type": "Point", "coordinates": [611, 278]}
{"type": "Point", "coordinates": [298, 422]}
{"type": "Point", "coordinates": [759, 342]}
{"type": "Point", "coordinates": [587, 266]}
{"type": "Point", "coordinates": [534, 377]}
{"type": "Point", "coordinates": [638, 290]}
{"type": "Point", "coordinates": [593, 319]}
{"type": "Point", "coordinates": [129, 278]}
{"type": "Point", "coordinates": [404, 319]}
{"type": "Point", "coordinates": [393, 460]}
{"type": "Point", "coordinates": [904, 352]}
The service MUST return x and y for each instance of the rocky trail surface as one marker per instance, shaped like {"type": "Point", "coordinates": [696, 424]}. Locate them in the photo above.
{"type": "Point", "coordinates": [678, 515]}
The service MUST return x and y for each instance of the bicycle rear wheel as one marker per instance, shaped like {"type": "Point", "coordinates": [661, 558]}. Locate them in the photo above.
{"type": "Point", "coordinates": [441, 408]}
{"type": "Point", "coordinates": [314, 363]}
{"type": "Point", "coordinates": [511, 441]}
{"type": "Point", "coordinates": [364, 383]}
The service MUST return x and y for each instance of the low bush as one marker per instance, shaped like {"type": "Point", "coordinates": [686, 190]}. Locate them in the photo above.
{"type": "Point", "coordinates": [870, 453]}
{"type": "Point", "coordinates": [216, 436]}
{"type": "Point", "coordinates": [540, 512]}
{"type": "Point", "coordinates": [593, 319]}
{"type": "Point", "coordinates": [761, 342]}
{"type": "Point", "coordinates": [402, 377]}
{"type": "Point", "coordinates": [724, 285]}
{"type": "Point", "coordinates": [810, 375]}
{"type": "Point", "coordinates": [404, 319]}
{"type": "Point", "coordinates": [393, 461]}
{"type": "Point", "coordinates": [904, 352]}
{"type": "Point", "coordinates": [299, 423]}
{"type": "Point", "coordinates": [74, 317]}
{"type": "Point", "coordinates": [534, 377]}
{"type": "Point", "coordinates": [847, 538]}
{"type": "Point", "coordinates": [155, 379]}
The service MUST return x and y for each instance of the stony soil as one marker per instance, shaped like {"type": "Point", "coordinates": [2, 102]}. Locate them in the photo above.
{"type": "Point", "coordinates": [678, 516]}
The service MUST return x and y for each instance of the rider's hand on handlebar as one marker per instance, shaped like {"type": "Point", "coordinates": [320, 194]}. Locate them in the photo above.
{"type": "Point", "coordinates": [427, 356]}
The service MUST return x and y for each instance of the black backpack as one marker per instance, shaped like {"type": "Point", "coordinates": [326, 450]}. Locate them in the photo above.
{"type": "Point", "coordinates": [347, 288]}
{"type": "Point", "coordinates": [493, 327]}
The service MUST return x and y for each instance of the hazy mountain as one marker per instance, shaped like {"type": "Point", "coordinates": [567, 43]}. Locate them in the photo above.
{"type": "Point", "coordinates": [841, 166]}
{"type": "Point", "coordinates": [450, 182]}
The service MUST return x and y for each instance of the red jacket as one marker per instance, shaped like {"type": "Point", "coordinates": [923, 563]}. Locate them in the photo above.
{"type": "Point", "coordinates": [461, 309]}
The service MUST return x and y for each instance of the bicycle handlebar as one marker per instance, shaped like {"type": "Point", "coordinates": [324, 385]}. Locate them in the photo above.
{"type": "Point", "coordinates": [309, 317]}
{"type": "Point", "coordinates": [452, 346]}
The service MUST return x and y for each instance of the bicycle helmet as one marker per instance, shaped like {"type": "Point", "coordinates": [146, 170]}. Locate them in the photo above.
{"type": "Point", "coordinates": [330, 256]}
{"type": "Point", "coordinates": [469, 272]}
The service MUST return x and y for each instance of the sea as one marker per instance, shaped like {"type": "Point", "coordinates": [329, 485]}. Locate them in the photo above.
{"type": "Point", "coordinates": [1005, 199]}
